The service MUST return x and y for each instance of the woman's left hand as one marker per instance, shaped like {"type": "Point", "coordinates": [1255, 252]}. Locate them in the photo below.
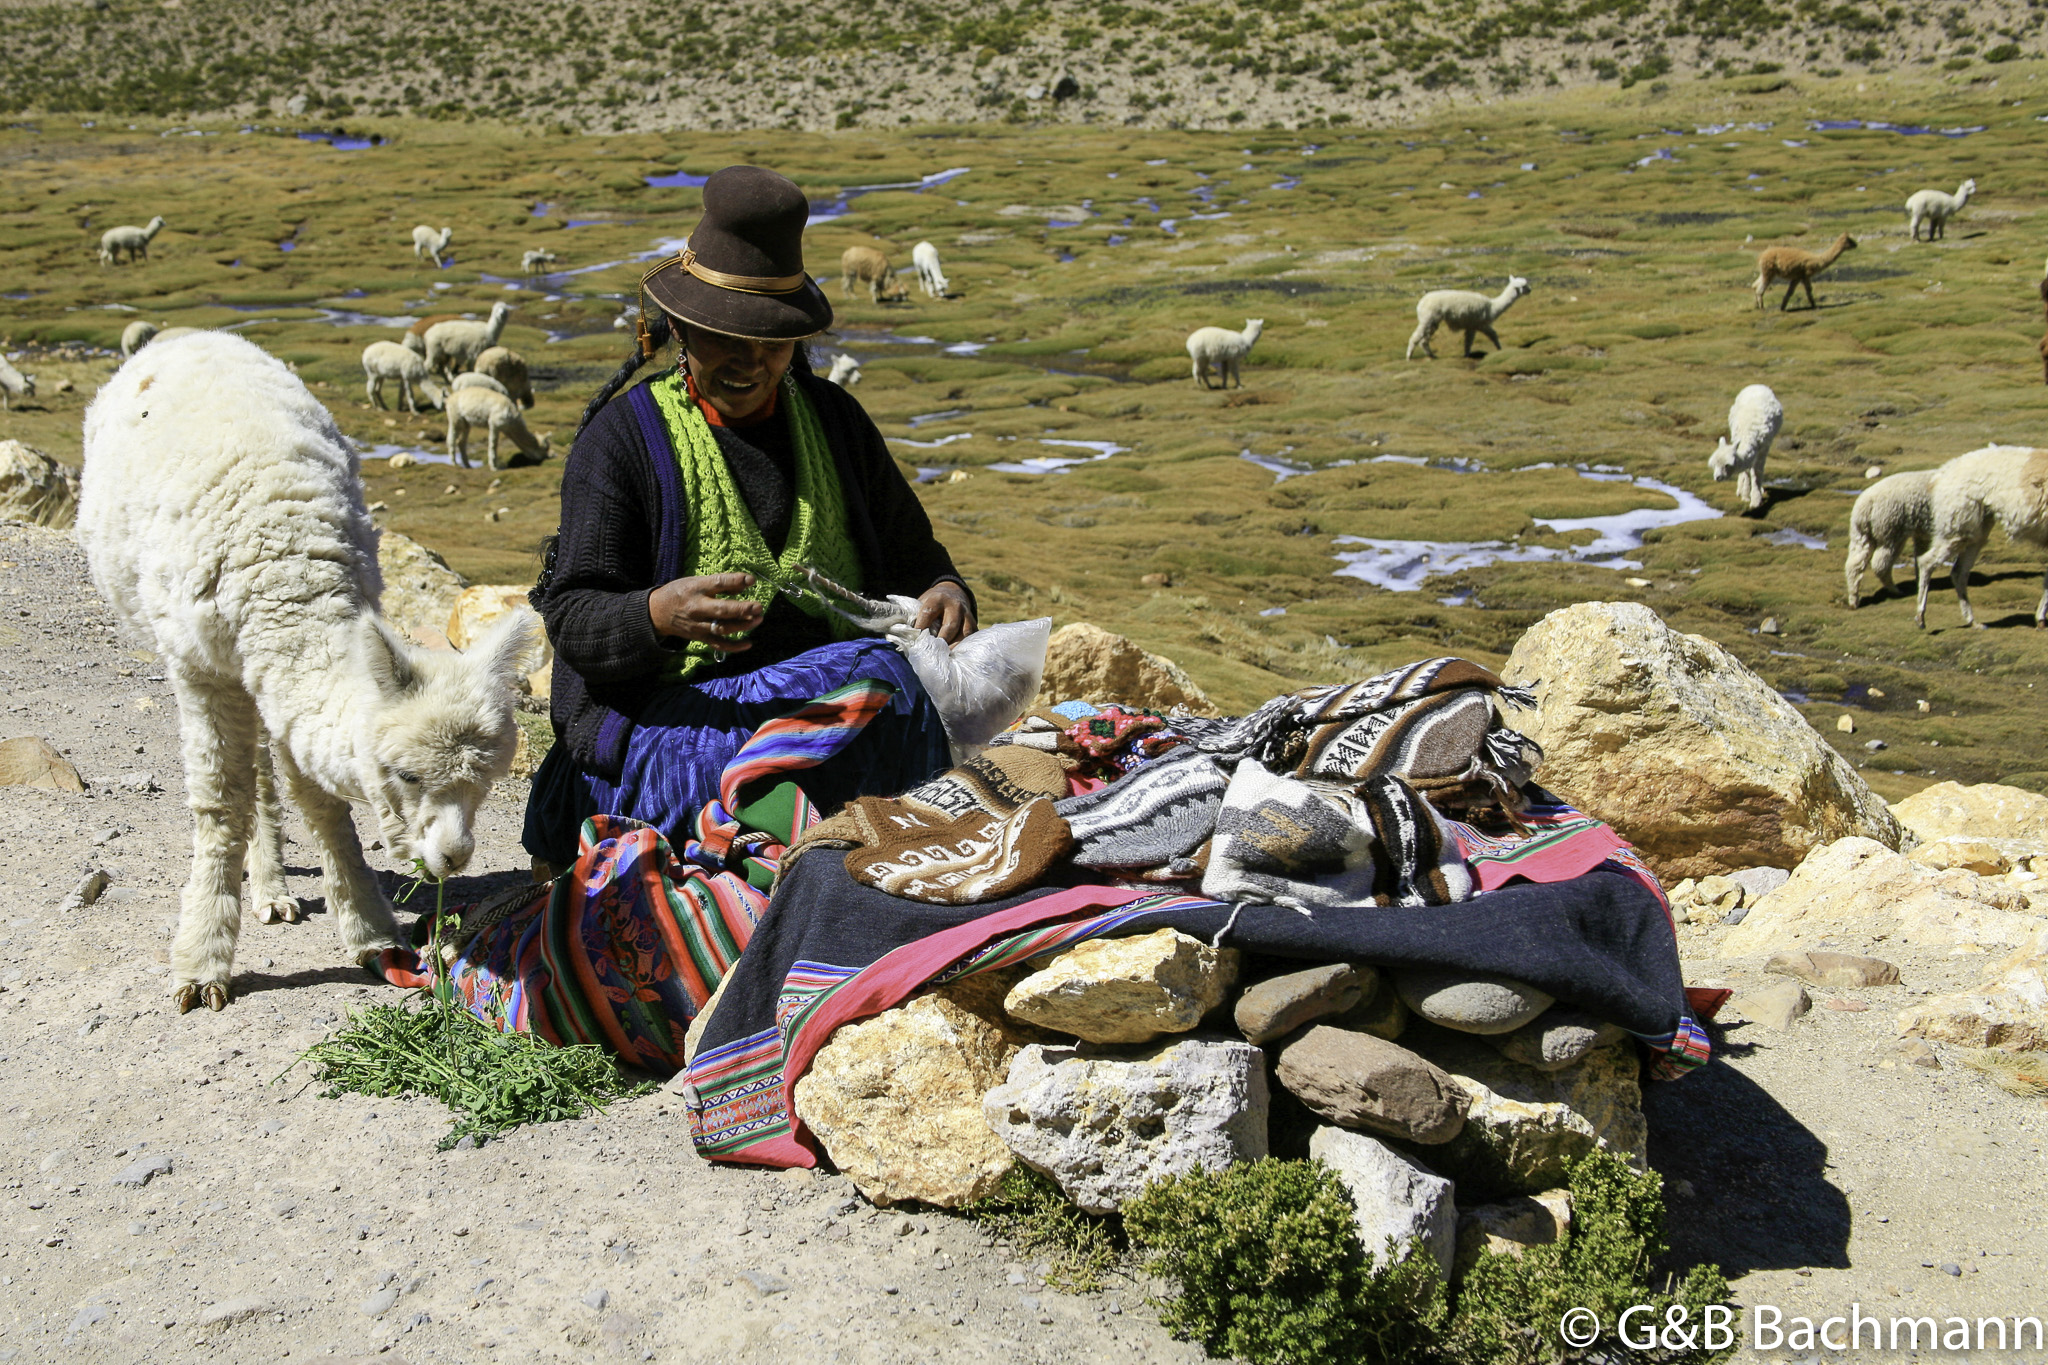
{"type": "Point", "coordinates": [945, 611]}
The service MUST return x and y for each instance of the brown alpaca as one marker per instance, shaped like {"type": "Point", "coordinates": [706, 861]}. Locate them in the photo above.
{"type": "Point", "coordinates": [1797, 267]}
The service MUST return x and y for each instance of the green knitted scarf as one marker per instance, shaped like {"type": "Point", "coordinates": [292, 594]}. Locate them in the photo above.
{"type": "Point", "coordinates": [722, 536]}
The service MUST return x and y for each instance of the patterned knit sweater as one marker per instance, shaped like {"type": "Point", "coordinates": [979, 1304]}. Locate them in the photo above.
{"type": "Point", "coordinates": [618, 513]}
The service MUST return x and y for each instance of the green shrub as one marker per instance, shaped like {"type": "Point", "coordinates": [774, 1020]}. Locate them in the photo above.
{"type": "Point", "coordinates": [2004, 52]}
{"type": "Point", "coordinates": [1030, 1210]}
{"type": "Point", "coordinates": [1269, 1268]}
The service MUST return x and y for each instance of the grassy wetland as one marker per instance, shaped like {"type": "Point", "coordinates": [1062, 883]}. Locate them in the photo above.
{"type": "Point", "coordinates": [1211, 525]}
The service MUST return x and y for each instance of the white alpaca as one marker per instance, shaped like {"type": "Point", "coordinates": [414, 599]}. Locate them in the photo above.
{"type": "Point", "coordinates": [1933, 209]}
{"type": "Point", "coordinates": [415, 337]}
{"type": "Point", "coordinates": [384, 360]}
{"type": "Point", "coordinates": [1887, 514]}
{"type": "Point", "coordinates": [508, 367]}
{"type": "Point", "coordinates": [14, 384]}
{"type": "Point", "coordinates": [845, 371]}
{"type": "Point", "coordinates": [223, 519]}
{"type": "Point", "coordinates": [453, 346]}
{"type": "Point", "coordinates": [536, 261]}
{"type": "Point", "coordinates": [1462, 311]}
{"type": "Point", "coordinates": [473, 380]}
{"type": "Point", "coordinates": [427, 242]}
{"type": "Point", "coordinates": [136, 335]}
{"type": "Point", "coordinates": [2003, 484]}
{"type": "Point", "coordinates": [1224, 349]}
{"type": "Point", "coordinates": [925, 257]}
{"type": "Point", "coordinates": [133, 240]}
{"type": "Point", "coordinates": [1753, 422]}
{"type": "Point", "coordinates": [489, 408]}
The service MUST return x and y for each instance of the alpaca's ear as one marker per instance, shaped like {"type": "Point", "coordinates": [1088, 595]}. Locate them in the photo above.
{"type": "Point", "coordinates": [386, 656]}
{"type": "Point", "coordinates": [511, 646]}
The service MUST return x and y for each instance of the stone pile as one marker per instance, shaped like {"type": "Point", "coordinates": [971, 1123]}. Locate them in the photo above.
{"type": "Point", "coordinates": [1424, 1088]}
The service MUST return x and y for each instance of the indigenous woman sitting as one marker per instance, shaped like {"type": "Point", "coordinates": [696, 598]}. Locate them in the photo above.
{"type": "Point", "coordinates": [687, 506]}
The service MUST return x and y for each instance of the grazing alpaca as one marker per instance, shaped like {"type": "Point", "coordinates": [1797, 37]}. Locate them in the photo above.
{"type": "Point", "coordinates": [925, 257]}
{"type": "Point", "coordinates": [474, 405]}
{"type": "Point", "coordinates": [223, 519]}
{"type": "Point", "coordinates": [865, 265]}
{"type": "Point", "coordinates": [453, 347]}
{"type": "Point", "coordinates": [1887, 514]}
{"type": "Point", "coordinates": [1796, 266]}
{"type": "Point", "coordinates": [1224, 349]}
{"type": "Point", "coordinates": [384, 360]}
{"type": "Point", "coordinates": [427, 242]}
{"type": "Point", "coordinates": [845, 371]}
{"type": "Point", "coordinates": [415, 337]}
{"type": "Point", "coordinates": [537, 261]}
{"type": "Point", "coordinates": [136, 335]}
{"type": "Point", "coordinates": [508, 367]}
{"type": "Point", "coordinates": [133, 240]}
{"type": "Point", "coordinates": [1933, 209]}
{"type": "Point", "coordinates": [2003, 484]}
{"type": "Point", "coordinates": [1753, 422]}
{"type": "Point", "coordinates": [14, 384]}
{"type": "Point", "coordinates": [1462, 311]}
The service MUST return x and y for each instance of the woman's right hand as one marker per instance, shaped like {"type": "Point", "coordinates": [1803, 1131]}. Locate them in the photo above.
{"type": "Point", "coordinates": [702, 609]}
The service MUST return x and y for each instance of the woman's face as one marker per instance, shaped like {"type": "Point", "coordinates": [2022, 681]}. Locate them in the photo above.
{"type": "Point", "coordinates": [736, 376]}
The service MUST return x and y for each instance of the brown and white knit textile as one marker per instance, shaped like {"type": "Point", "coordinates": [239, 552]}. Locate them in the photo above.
{"type": "Point", "coordinates": [983, 830]}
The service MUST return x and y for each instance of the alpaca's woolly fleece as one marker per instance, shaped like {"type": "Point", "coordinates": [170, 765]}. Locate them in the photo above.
{"type": "Point", "coordinates": [1887, 514]}
{"type": "Point", "coordinates": [473, 380]}
{"type": "Point", "coordinates": [384, 360]}
{"type": "Point", "coordinates": [1461, 310]}
{"type": "Point", "coordinates": [2005, 485]}
{"type": "Point", "coordinates": [1753, 422]}
{"type": "Point", "coordinates": [133, 240]}
{"type": "Point", "coordinates": [537, 260]}
{"type": "Point", "coordinates": [1796, 266]}
{"type": "Point", "coordinates": [453, 346]}
{"type": "Point", "coordinates": [865, 265]}
{"type": "Point", "coordinates": [1932, 209]}
{"type": "Point", "coordinates": [223, 520]}
{"type": "Point", "coordinates": [14, 384]}
{"type": "Point", "coordinates": [136, 335]}
{"type": "Point", "coordinates": [1222, 349]}
{"type": "Point", "coordinates": [845, 371]}
{"type": "Point", "coordinates": [925, 257]}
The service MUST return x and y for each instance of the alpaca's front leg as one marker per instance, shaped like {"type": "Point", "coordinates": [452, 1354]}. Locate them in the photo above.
{"type": "Point", "coordinates": [360, 911]}
{"type": "Point", "coordinates": [267, 891]}
{"type": "Point", "coordinates": [218, 725]}
{"type": "Point", "coordinates": [1959, 574]}
{"type": "Point", "coordinates": [491, 447]}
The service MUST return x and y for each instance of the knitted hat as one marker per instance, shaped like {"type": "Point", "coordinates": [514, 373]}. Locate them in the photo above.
{"type": "Point", "coordinates": [742, 273]}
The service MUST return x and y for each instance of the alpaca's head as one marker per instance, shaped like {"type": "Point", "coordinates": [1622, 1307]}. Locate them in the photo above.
{"type": "Point", "coordinates": [155, 224]}
{"type": "Point", "coordinates": [1847, 243]}
{"type": "Point", "coordinates": [1969, 187]}
{"type": "Point", "coordinates": [1517, 286]}
{"type": "Point", "coordinates": [447, 236]}
{"type": "Point", "coordinates": [499, 312]}
{"type": "Point", "coordinates": [438, 731]}
{"type": "Point", "coordinates": [1252, 328]}
{"type": "Point", "coordinates": [1722, 460]}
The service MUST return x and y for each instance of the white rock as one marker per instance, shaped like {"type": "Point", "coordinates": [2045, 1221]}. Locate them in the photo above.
{"type": "Point", "coordinates": [1126, 990]}
{"type": "Point", "coordinates": [1396, 1196]}
{"type": "Point", "coordinates": [1105, 1123]}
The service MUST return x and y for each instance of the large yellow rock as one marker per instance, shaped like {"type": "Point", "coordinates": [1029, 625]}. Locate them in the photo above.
{"type": "Point", "coordinates": [2008, 1008]}
{"type": "Point", "coordinates": [1689, 755]}
{"type": "Point", "coordinates": [1860, 888]}
{"type": "Point", "coordinates": [1126, 990]}
{"type": "Point", "coordinates": [896, 1102]}
{"type": "Point", "coordinates": [35, 488]}
{"type": "Point", "coordinates": [1089, 663]}
{"type": "Point", "coordinates": [1986, 810]}
{"type": "Point", "coordinates": [31, 761]}
{"type": "Point", "coordinates": [480, 604]}
{"type": "Point", "coordinates": [419, 588]}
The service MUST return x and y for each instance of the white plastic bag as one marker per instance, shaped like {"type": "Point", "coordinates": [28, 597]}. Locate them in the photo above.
{"type": "Point", "coordinates": [983, 683]}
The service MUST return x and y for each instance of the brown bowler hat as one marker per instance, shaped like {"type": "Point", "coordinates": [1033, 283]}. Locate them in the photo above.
{"type": "Point", "coordinates": [743, 271]}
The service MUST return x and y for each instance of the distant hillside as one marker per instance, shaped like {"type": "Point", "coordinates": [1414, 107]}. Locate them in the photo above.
{"type": "Point", "coordinates": [758, 63]}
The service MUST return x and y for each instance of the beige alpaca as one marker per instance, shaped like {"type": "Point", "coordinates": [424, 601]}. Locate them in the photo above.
{"type": "Point", "coordinates": [492, 409]}
{"type": "Point", "coordinates": [1887, 514]}
{"type": "Point", "coordinates": [223, 519]}
{"type": "Point", "coordinates": [1797, 267]}
{"type": "Point", "coordinates": [865, 265]}
{"type": "Point", "coordinates": [2003, 484]}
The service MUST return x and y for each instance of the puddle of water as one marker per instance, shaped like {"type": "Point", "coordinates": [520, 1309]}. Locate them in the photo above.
{"type": "Point", "coordinates": [1061, 223]}
{"type": "Point", "coordinates": [1166, 226]}
{"type": "Point", "coordinates": [1457, 599]}
{"type": "Point", "coordinates": [825, 210]}
{"type": "Point", "coordinates": [1066, 258]}
{"type": "Point", "coordinates": [1661, 154]}
{"type": "Point", "coordinates": [1403, 565]}
{"type": "Point", "coordinates": [1286, 182]}
{"type": "Point", "coordinates": [1274, 611]}
{"type": "Point", "coordinates": [599, 222]}
{"type": "Point", "coordinates": [1117, 239]}
{"type": "Point", "coordinates": [1791, 536]}
{"type": "Point", "coordinates": [1147, 202]}
{"type": "Point", "coordinates": [385, 452]}
{"type": "Point", "coordinates": [965, 348]}
{"type": "Point", "coordinates": [1838, 125]}
{"type": "Point", "coordinates": [342, 142]}
{"type": "Point", "coordinates": [925, 418]}
{"type": "Point", "coordinates": [931, 473]}
{"type": "Point", "coordinates": [1716, 129]}
{"type": "Point", "coordinates": [850, 337]}
{"type": "Point", "coordinates": [931, 445]}
{"type": "Point", "coordinates": [1160, 162]}
{"type": "Point", "coordinates": [1205, 217]}
{"type": "Point", "coordinates": [1054, 464]}
{"type": "Point", "coordinates": [540, 210]}
{"type": "Point", "coordinates": [287, 246]}
{"type": "Point", "coordinates": [675, 180]}
{"type": "Point", "coordinates": [1282, 470]}
{"type": "Point", "coordinates": [342, 317]}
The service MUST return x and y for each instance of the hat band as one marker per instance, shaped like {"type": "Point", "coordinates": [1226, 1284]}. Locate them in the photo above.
{"type": "Point", "coordinates": [744, 284]}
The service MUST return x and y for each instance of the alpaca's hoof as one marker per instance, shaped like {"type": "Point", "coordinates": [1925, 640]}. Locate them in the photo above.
{"type": "Point", "coordinates": [278, 910]}
{"type": "Point", "coordinates": [187, 997]}
{"type": "Point", "coordinates": [215, 995]}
